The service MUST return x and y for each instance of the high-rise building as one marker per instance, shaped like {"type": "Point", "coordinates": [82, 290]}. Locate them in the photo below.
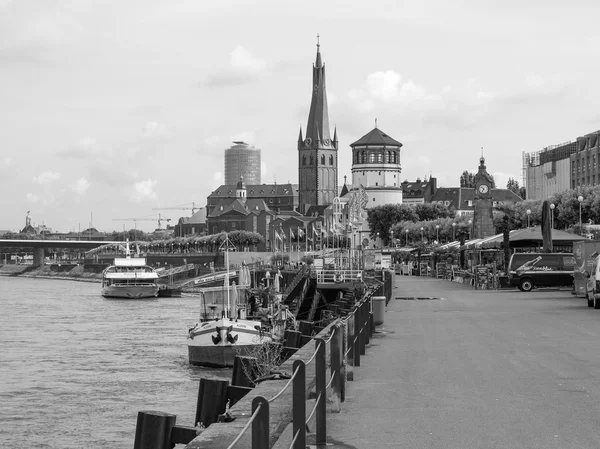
{"type": "Point", "coordinates": [317, 152]}
{"type": "Point", "coordinates": [242, 160]}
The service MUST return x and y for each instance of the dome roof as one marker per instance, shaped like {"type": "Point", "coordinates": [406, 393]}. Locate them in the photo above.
{"type": "Point", "coordinates": [241, 184]}
{"type": "Point", "coordinates": [376, 137]}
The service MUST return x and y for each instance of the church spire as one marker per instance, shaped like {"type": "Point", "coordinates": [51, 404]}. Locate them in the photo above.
{"type": "Point", "coordinates": [318, 117]}
{"type": "Point", "coordinates": [300, 135]}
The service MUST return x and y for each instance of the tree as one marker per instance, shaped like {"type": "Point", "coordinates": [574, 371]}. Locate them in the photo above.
{"type": "Point", "coordinates": [467, 180]}
{"type": "Point", "coordinates": [382, 218]}
{"type": "Point", "coordinates": [433, 211]}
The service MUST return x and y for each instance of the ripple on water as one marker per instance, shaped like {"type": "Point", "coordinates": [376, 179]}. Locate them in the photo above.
{"type": "Point", "coordinates": [76, 368]}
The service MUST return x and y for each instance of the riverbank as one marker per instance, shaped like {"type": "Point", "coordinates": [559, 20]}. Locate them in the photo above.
{"type": "Point", "coordinates": [45, 272]}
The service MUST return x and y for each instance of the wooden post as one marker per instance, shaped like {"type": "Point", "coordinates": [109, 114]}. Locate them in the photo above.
{"type": "Point", "coordinates": [244, 371]}
{"type": "Point", "coordinates": [292, 339]}
{"type": "Point", "coordinates": [260, 425]}
{"type": "Point", "coordinates": [362, 329]}
{"type": "Point", "coordinates": [212, 401]}
{"type": "Point", "coordinates": [320, 383]}
{"type": "Point", "coordinates": [299, 404]}
{"type": "Point", "coordinates": [335, 357]}
{"type": "Point", "coordinates": [153, 430]}
{"type": "Point", "coordinates": [366, 323]}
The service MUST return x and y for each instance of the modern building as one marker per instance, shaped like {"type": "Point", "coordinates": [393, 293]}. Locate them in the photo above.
{"type": "Point", "coordinates": [548, 171]}
{"type": "Point", "coordinates": [242, 160]}
{"type": "Point", "coordinates": [317, 151]}
{"type": "Point", "coordinates": [585, 162]}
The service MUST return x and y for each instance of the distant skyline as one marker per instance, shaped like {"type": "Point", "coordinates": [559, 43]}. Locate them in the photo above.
{"type": "Point", "coordinates": [113, 108]}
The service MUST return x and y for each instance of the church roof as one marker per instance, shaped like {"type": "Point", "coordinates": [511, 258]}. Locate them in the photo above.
{"type": "Point", "coordinates": [226, 206]}
{"type": "Point", "coordinates": [376, 137]}
{"type": "Point", "coordinates": [317, 127]}
{"type": "Point", "coordinates": [256, 190]}
{"type": "Point", "coordinates": [344, 190]}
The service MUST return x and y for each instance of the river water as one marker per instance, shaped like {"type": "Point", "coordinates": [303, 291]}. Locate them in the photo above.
{"type": "Point", "coordinates": [75, 368]}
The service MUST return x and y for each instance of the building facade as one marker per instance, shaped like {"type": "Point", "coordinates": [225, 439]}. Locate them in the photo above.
{"type": "Point", "coordinates": [278, 197]}
{"type": "Point", "coordinates": [548, 171]}
{"type": "Point", "coordinates": [242, 160]}
{"type": "Point", "coordinates": [317, 151]}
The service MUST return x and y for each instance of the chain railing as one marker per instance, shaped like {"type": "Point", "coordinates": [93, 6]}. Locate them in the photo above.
{"type": "Point", "coordinates": [346, 341]}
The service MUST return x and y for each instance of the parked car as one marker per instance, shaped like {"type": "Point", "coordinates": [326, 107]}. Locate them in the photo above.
{"type": "Point", "coordinates": [592, 285]}
{"type": "Point", "coordinates": [529, 270]}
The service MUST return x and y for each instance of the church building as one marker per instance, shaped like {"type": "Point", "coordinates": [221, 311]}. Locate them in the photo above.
{"type": "Point", "coordinates": [317, 151]}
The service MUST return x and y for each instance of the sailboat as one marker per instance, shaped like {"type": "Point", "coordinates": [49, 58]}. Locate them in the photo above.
{"type": "Point", "coordinates": [216, 341]}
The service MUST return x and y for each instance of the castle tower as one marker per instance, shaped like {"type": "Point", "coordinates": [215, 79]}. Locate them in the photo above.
{"type": "Point", "coordinates": [376, 167]}
{"type": "Point", "coordinates": [317, 152]}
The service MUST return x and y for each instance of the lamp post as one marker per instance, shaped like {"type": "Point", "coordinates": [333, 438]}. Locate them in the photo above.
{"type": "Point", "coordinates": [528, 214]}
{"type": "Point", "coordinates": [437, 233]}
{"type": "Point", "coordinates": [376, 240]}
{"type": "Point", "coordinates": [406, 232]}
{"type": "Point", "coordinates": [391, 238]}
{"type": "Point", "coordinates": [421, 234]}
{"type": "Point", "coordinates": [470, 227]}
{"type": "Point", "coordinates": [552, 206]}
{"type": "Point", "coordinates": [580, 199]}
{"type": "Point", "coordinates": [453, 231]}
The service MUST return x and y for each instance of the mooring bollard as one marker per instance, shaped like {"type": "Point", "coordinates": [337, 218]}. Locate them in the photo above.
{"type": "Point", "coordinates": [153, 430]}
{"type": "Point", "coordinates": [212, 401]}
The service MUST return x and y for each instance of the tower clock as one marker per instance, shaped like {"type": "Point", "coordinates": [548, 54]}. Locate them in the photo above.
{"type": "Point", "coordinates": [483, 217]}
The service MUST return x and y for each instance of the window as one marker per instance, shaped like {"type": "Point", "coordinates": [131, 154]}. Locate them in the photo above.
{"type": "Point", "coordinates": [470, 203]}
{"type": "Point", "coordinates": [371, 157]}
{"type": "Point", "coordinates": [322, 159]}
{"type": "Point", "coordinates": [233, 225]}
{"type": "Point", "coordinates": [376, 184]}
{"type": "Point", "coordinates": [311, 160]}
{"type": "Point", "coordinates": [446, 203]}
{"type": "Point", "coordinates": [304, 160]}
{"type": "Point", "coordinates": [330, 160]}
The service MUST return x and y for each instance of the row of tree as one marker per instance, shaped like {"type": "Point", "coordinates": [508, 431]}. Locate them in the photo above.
{"type": "Point", "coordinates": [431, 222]}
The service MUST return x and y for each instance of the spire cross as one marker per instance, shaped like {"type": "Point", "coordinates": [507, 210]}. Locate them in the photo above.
{"type": "Point", "coordinates": [344, 179]}
{"type": "Point", "coordinates": [318, 39]}
{"type": "Point", "coordinates": [375, 122]}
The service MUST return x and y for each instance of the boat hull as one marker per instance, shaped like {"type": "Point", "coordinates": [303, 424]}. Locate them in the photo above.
{"type": "Point", "coordinates": [130, 291]}
{"type": "Point", "coordinates": [216, 343]}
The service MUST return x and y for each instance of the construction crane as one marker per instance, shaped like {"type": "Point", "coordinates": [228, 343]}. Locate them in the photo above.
{"type": "Point", "coordinates": [182, 207]}
{"type": "Point", "coordinates": [160, 219]}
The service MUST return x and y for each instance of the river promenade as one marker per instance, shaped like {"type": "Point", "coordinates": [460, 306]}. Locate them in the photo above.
{"type": "Point", "coordinates": [475, 369]}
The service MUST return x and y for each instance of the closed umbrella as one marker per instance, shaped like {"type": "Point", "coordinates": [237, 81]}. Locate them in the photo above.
{"type": "Point", "coordinates": [546, 227]}
{"type": "Point", "coordinates": [234, 298]}
{"type": "Point", "coordinates": [276, 282]}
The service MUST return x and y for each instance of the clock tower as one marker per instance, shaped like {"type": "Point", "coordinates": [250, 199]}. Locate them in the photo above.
{"type": "Point", "coordinates": [483, 217]}
{"type": "Point", "coordinates": [317, 151]}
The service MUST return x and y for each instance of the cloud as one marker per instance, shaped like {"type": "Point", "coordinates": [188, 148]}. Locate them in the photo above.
{"type": "Point", "coordinates": [144, 190]}
{"type": "Point", "coordinates": [243, 68]}
{"type": "Point", "coordinates": [46, 177]}
{"type": "Point", "coordinates": [155, 130]}
{"type": "Point", "coordinates": [218, 176]}
{"type": "Point", "coordinates": [244, 136]}
{"type": "Point", "coordinates": [32, 198]}
{"type": "Point", "coordinates": [81, 186]}
{"type": "Point", "coordinates": [8, 162]}
{"type": "Point", "coordinates": [212, 141]}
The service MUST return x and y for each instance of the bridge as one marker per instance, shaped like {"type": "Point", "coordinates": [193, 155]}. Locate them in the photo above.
{"type": "Point", "coordinates": [39, 245]}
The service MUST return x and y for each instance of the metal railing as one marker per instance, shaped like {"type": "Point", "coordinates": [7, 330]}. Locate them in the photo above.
{"type": "Point", "coordinates": [347, 341]}
{"type": "Point", "coordinates": [338, 276]}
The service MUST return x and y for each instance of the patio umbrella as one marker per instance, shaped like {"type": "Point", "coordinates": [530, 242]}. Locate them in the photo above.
{"type": "Point", "coordinates": [533, 235]}
{"type": "Point", "coordinates": [546, 227]}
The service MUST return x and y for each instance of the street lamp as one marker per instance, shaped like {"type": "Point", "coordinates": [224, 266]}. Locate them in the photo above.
{"type": "Point", "coordinates": [528, 214]}
{"type": "Point", "coordinates": [406, 232]}
{"type": "Point", "coordinates": [453, 231]}
{"type": "Point", "coordinates": [552, 206]}
{"type": "Point", "coordinates": [376, 240]}
{"type": "Point", "coordinates": [437, 233]}
{"type": "Point", "coordinates": [391, 238]}
{"type": "Point", "coordinates": [580, 199]}
{"type": "Point", "coordinates": [421, 234]}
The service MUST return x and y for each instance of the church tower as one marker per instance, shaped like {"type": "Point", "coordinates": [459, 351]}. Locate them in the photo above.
{"type": "Point", "coordinates": [317, 151]}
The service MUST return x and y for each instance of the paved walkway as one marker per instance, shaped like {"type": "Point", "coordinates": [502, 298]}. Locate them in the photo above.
{"type": "Point", "coordinates": [475, 369]}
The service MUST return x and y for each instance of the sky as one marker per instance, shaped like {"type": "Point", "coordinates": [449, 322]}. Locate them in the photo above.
{"type": "Point", "coordinates": [112, 109]}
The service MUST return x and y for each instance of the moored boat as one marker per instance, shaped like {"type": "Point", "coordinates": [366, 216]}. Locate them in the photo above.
{"type": "Point", "coordinates": [130, 278]}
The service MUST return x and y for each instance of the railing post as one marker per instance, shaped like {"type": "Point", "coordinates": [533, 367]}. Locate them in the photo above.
{"type": "Point", "coordinates": [260, 425]}
{"type": "Point", "coordinates": [356, 339]}
{"type": "Point", "coordinates": [344, 363]}
{"type": "Point", "coordinates": [366, 325]}
{"type": "Point", "coordinates": [299, 404]}
{"type": "Point", "coordinates": [362, 329]}
{"type": "Point", "coordinates": [336, 366]}
{"type": "Point", "coordinates": [320, 382]}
